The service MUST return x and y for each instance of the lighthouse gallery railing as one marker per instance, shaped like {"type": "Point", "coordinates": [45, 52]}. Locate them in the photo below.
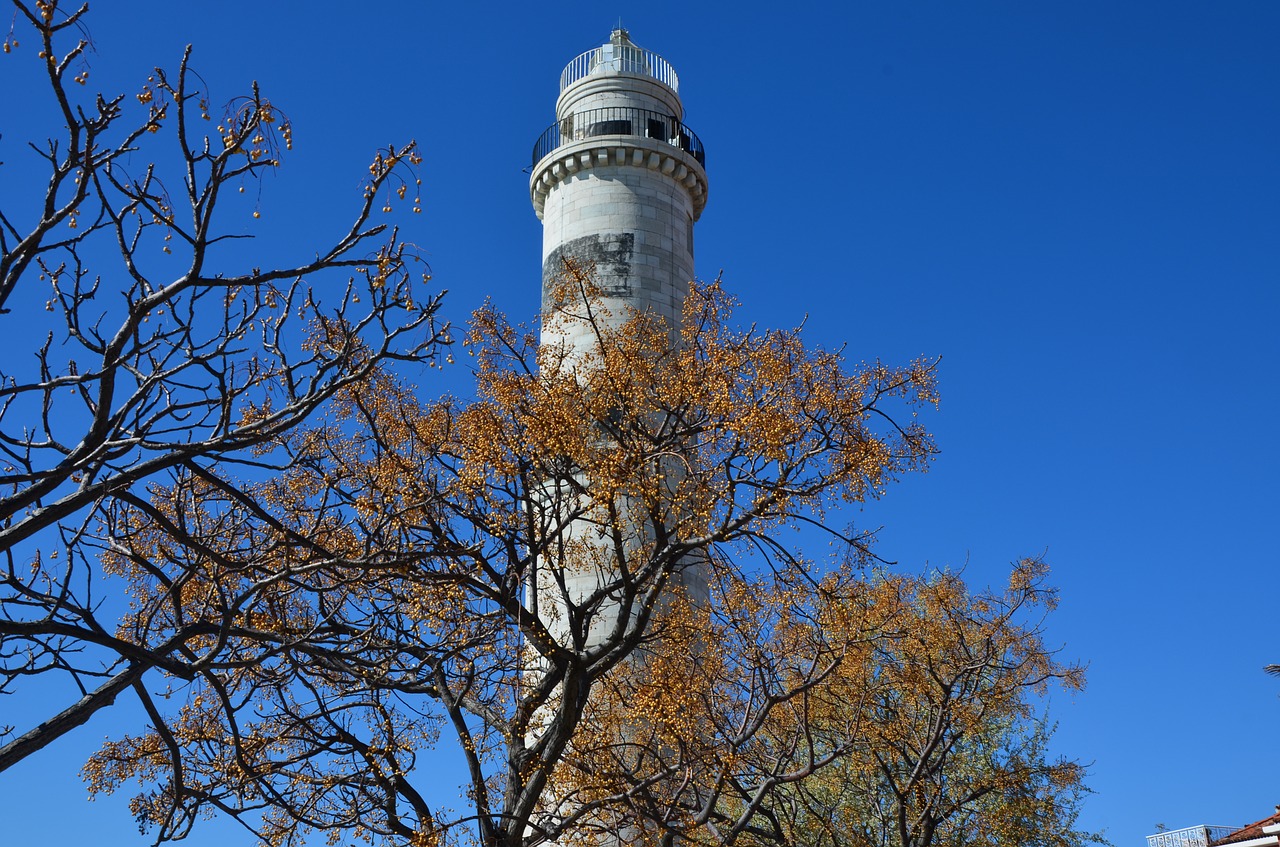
{"type": "Point", "coordinates": [620, 120]}
{"type": "Point", "coordinates": [620, 58]}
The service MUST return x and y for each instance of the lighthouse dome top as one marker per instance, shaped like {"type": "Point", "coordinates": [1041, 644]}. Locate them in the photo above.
{"type": "Point", "coordinates": [619, 55]}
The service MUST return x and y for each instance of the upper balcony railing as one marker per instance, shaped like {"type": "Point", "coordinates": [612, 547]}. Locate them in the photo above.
{"type": "Point", "coordinates": [620, 120]}
{"type": "Point", "coordinates": [1191, 836]}
{"type": "Point", "coordinates": [620, 58]}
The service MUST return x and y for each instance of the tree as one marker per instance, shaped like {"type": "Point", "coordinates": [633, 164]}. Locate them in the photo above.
{"type": "Point", "coordinates": [953, 750]}
{"type": "Point", "coordinates": [169, 353]}
{"type": "Point", "coordinates": [419, 527]}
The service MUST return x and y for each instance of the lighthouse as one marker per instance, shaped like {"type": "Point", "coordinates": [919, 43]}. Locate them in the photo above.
{"type": "Point", "coordinates": [619, 181]}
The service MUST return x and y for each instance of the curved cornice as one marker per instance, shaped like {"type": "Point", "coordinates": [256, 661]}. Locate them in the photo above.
{"type": "Point", "coordinates": [622, 151]}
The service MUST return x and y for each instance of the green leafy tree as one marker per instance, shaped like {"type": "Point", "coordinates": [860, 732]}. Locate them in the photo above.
{"type": "Point", "coordinates": [953, 749]}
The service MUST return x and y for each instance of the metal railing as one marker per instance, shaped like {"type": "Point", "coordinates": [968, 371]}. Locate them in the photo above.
{"type": "Point", "coordinates": [620, 58]}
{"type": "Point", "coordinates": [1191, 836]}
{"type": "Point", "coordinates": [620, 120]}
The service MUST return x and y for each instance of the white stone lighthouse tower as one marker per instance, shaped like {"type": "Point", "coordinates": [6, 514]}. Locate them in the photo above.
{"type": "Point", "coordinates": [618, 181]}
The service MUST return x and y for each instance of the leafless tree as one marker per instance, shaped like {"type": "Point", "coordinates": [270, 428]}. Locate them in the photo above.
{"type": "Point", "coordinates": [168, 351]}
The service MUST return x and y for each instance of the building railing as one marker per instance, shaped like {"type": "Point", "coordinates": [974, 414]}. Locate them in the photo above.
{"type": "Point", "coordinates": [620, 58]}
{"type": "Point", "coordinates": [620, 120]}
{"type": "Point", "coordinates": [1191, 836]}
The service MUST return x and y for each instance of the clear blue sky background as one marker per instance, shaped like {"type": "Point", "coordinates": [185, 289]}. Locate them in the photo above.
{"type": "Point", "coordinates": [1075, 204]}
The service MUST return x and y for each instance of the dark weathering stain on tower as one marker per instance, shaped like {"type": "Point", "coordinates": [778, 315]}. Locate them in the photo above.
{"type": "Point", "coordinates": [610, 253]}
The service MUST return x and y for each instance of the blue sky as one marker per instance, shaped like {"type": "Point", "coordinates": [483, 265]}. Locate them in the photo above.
{"type": "Point", "coordinates": [1075, 205]}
